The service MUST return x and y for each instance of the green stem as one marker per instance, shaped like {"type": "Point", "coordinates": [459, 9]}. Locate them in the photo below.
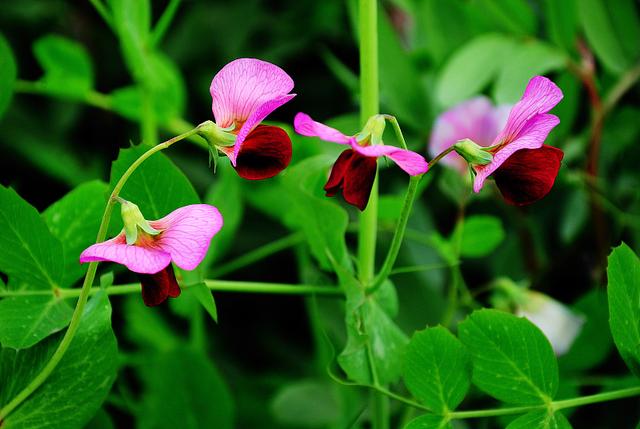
{"type": "Point", "coordinates": [164, 22]}
{"type": "Point", "coordinates": [213, 285]}
{"type": "Point", "coordinates": [103, 12]}
{"type": "Point", "coordinates": [397, 130]}
{"type": "Point", "coordinates": [86, 285]}
{"type": "Point", "coordinates": [441, 155]}
{"type": "Point", "coordinates": [258, 254]}
{"type": "Point", "coordinates": [625, 83]}
{"type": "Point", "coordinates": [398, 235]}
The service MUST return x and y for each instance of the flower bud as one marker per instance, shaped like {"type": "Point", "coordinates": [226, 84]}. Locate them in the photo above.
{"type": "Point", "coordinates": [133, 219]}
{"type": "Point", "coordinates": [373, 129]}
{"type": "Point", "coordinates": [472, 152]}
{"type": "Point", "coordinates": [216, 136]}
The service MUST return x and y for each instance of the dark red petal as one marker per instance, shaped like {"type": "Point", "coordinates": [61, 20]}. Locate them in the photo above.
{"type": "Point", "coordinates": [336, 178]}
{"type": "Point", "coordinates": [265, 152]}
{"type": "Point", "coordinates": [528, 174]}
{"type": "Point", "coordinates": [157, 287]}
{"type": "Point", "coordinates": [358, 180]}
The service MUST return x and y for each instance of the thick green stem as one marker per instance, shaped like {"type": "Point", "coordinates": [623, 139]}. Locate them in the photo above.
{"type": "Point", "coordinates": [398, 235]}
{"type": "Point", "coordinates": [86, 285]}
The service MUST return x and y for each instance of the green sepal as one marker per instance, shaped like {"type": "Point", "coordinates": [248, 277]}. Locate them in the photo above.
{"type": "Point", "coordinates": [132, 219]}
{"type": "Point", "coordinates": [472, 152]}
{"type": "Point", "coordinates": [215, 135]}
{"type": "Point", "coordinates": [373, 130]}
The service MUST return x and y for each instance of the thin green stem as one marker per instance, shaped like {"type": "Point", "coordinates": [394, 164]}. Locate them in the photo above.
{"type": "Point", "coordinates": [103, 12]}
{"type": "Point", "coordinates": [92, 98]}
{"type": "Point", "coordinates": [441, 155]}
{"type": "Point", "coordinates": [420, 268]}
{"type": "Point", "coordinates": [258, 254]}
{"type": "Point", "coordinates": [398, 235]}
{"type": "Point", "coordinates": [625, 83]}
{"type": "Point", "coordinates": [86, 285]}
{"type": "Point", "coordinates": [397, 130]}
{"type": "Point", "coordinates": [164, 22]}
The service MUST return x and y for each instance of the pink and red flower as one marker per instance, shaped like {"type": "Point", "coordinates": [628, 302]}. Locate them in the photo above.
{"type": "Point", "coordinates": [183, 238]}
{"type": "Point", "coordinates": [354, 171]}
{"type": "Point", "coordinates": [244, 93]}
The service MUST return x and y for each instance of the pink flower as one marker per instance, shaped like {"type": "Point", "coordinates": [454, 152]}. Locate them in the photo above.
{"type": "Point", "coordinates": [523, 167]}
{"type": "Point", "coordinates": [244, 93]}
{"type": "Point", "coordinates": [476, 119]}
{"type": "Point", "coordinates": [354, 170]}
{"type": "Point", "coordinates": [182, 237]}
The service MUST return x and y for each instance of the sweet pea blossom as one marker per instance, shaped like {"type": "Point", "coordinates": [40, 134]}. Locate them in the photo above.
{"type": "Point", "coordinates": [523, 167]}
{"type": "Point", "coordinates": [475, 119]}
{"type": "Point", "coordinates": [355, 169]}
{"type": "Point", "coordinates": [244, 93]}
{"type": "Point", "coordinates": [558, 323]}
{"type": "Point", "coordinates": [149, 247]}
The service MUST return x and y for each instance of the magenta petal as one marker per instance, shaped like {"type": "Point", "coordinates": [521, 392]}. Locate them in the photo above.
{"type": "Point", "coordinates": [540, 96]}
{"type": "Point", "coordinates": [532, 136]}
{"type": "Point", "coordinates": [304, 125]}
{"type": "Point", "coordinates": [256, 117]}
{"type": "Point", "coordinates": [187, 233]}
{"type": "Point", "coordinates": [409, 161]}
{"type": "Point", "coordinates": [475, 119]}
{"type": "Point", "coordinates": [143, 260]}
{"type": "Point", "coordinates": [242, 86]}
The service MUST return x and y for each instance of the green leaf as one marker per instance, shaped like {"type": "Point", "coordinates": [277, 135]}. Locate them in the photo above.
{"type": "Point", "coordinates": [371, 334]}
{"type": "Point", "coordinates": [205, 297]}
{"type": "Point", "coordinates": [158, 187]}
{"type": "Point", "coordinates": [594, 343]}
{"type": "Point", "coordinates": [29, 254]}
{"type": "Point", "coordinates": [67, 67]}
{"type": "Point", "coordinates": [529, 59]}
{"type": "Point", "coordinates": [429, 421]}
{"type": "Point", "coordinates": [77, 387]}
{"type": "Point", "coordinates": [540, 420]}
{"type": "Point", "coordinates": [226, 195]}
{"type": "Point", "coordinates": [101, 420]}
{"type": "Point", "coordinates": [133, 23]}
{"type": "Point", "coordinates": [623, 273]}
{"type": "Point", "coordinates": [147, 328]}
{"type": "Point", "coordinates": [437, 369]}
{"type": "Point", "coordinates": [481, 235]}
{"type": "Point", "coordinates": [596, 20]}
{"type": "Point", "coordinates": [194, 396]}
{"type": "Point", "coordinates": [8, 74]}
{"type": "Point", "coordinates": [307, 404]}
{"type": "Point", "coordinates": [323, 221]}
{"type": "Point", "coordinates": [75, 220]}
{"type": "Point", "coordinates": [513, 16]}
{"type": "Point", "coordinates": [470, 69]}
{"type": "Point", "coordinates": [26, 320]}
{"type": "Point", "coordinates": [562, 22]}
{"type": "Point", "coordinates": [512, 359]}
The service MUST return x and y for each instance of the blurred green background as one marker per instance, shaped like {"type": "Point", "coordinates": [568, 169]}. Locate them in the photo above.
{"type": "Point", "coordinates": [76, 103]}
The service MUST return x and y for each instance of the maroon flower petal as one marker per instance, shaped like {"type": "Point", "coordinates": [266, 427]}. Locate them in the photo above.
{"type": "Point", "coordinates": [528, 174]}
{"type": "Point", "coordinates": [157, 287]}
{"type": "Point", "coordinates": [265, 152]}
{"type": "Point", "coordinates": [354, 174]}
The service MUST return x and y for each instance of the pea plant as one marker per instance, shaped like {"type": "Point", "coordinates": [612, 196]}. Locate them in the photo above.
{"type": "Point", "coordinates": [458, 254]}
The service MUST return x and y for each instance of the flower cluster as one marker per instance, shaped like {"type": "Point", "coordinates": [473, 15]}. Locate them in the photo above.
{"type": "Point", "coordinates": [508, 148]}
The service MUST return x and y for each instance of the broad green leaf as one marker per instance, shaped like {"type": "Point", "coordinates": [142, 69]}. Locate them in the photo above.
{"type": "Point", "coordinates": [226, 194]}
{"type": "Point", "coordinates": [626, 22]}
{"type": "Point", "coordinates": [79, 384]}
{"type": "Point", "coordinates": [8, 73]}
{"type": "Point", "coordinates": [158, 187]}
{"type": "Point", "coordinates": [193, 396]}
{"type": "Point", "coordinates": [481, 234]}
{"type": "Point", "coordinates": [75, 220]}
{"type": "Point", "coordinates": [307, 404]}
{"type": "Point", "coordinates": [530, 59]}
{"type": "Point", "coordinates": [370, 333]}
{"type": "Point", "coordinates": [67, 67]}
{"type": "Point", "coordinates": [601, 33]}
{"type": "Point", "coordinates": [101, 420]}
{"type": "Point", "coordinates": [540, 420]}
{"type": "Point", "coordinates": [440, 27]}
{"type": "Point", "coordinates": [401, 87]}
{"type": "Point", "coordinates": [512, 359]}
{"type": "Point", "coordinates": [204, 297]}
{"type": "Point", "coordinates": [470, 69]}
{"type": "Point", "coordinates": [437, 369]}
{"type": "Point", "coordinates": [594, 343]}
{"type": "Point", "coordinates": [147, 328]}
{"type": "Point", "coordinates": [623, 273]}
{"type": "Point", "coordinates": [512, 16]}
{"type": "Point", "coordinates": [26, 320]}
{"type": "Point", "coordinates": [562, 22]}
{"type": "Point", "coordinates": [429, 421]}
{"type": "Point", "coordinates": [322, 220]}
{"type": "Point", "coordinates": [29, 254]}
